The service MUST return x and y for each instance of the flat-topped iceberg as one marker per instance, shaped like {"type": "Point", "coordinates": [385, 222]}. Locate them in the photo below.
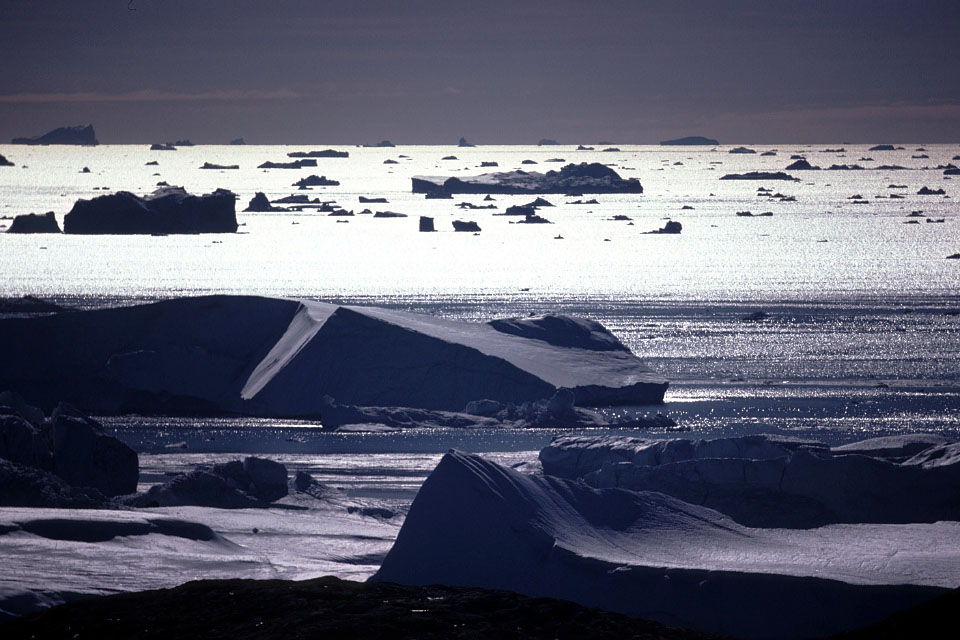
{"type": "Point", "coordinates": [572, 179]}
{"type": "Point", "coordinates": [475, 523]}
{"type": "Point", "coordinates": [689, 140]}
{"type": "Point", "coordinates": [770, 481]}
{"type": "Point", "coordinates": [166, 210]}
{"type": "Point", "coordinates": [280, 357]}
{"type": "Point", "coordinates": [35, 223]}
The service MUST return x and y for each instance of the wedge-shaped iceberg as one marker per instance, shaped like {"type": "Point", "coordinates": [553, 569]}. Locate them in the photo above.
{"type": "Point", "coordinates": [475, 523]}
{"type": "Point", "coordinates": [278, 357]}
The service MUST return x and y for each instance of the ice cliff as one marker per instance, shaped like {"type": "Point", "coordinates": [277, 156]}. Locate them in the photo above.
{"type": "Point", "coordinates": [280, 357]}
{"type": "Point", "coordinates": [771, 481]}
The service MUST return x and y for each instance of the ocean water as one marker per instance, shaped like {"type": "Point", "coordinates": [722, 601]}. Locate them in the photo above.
{"type": "Point", "coordinates": [868, 254]}
{"type": "Point", "coordinates": [862, 335]}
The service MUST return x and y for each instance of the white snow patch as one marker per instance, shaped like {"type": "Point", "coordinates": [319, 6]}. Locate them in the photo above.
{"type": "Point", "coordinates": [308, 319]}
{"type": "Point", "coordinates": [282, 542]}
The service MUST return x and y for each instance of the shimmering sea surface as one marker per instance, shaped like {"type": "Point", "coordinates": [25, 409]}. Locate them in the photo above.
{"type": "Point", "coordinates": [862, 334]}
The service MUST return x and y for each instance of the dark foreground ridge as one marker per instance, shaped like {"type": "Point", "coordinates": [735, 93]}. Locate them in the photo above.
{"type": "Point", "coordinates": [330, 608]}
{"type": "Point", "coordinates": [334, 608]}
{"type": "Point", "coordinates": [927, 620]}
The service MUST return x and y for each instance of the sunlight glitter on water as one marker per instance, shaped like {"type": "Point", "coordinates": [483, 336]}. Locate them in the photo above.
{"type": "Point", "coordinates": [836, 279]}
{"type": "Point", "coordinates": [719, 256]}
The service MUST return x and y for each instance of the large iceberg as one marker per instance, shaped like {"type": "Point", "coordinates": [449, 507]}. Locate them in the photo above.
{"type": "Point", "coordinates": [166, 210]}
{"type": "Point", "coordinates": [771, 481]}
{"type": "Point", "coordinates": [571, 179]}
{"type": "Point", "coordinates": [475, 523]}
{"type": "Point", "coordinates": [280, 357]}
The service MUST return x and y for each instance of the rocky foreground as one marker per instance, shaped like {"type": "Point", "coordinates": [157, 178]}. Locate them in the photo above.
{"type": "Point", "coordinates": [330, 607]}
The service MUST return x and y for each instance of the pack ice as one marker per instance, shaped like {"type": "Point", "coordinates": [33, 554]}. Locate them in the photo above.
{"type": "Point", "coordinates": [655, 556]}
{"type": "Point", "coordinates": [280, 357]}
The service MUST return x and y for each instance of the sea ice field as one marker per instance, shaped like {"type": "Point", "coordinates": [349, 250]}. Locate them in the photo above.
{"type": "Point", "coordinates": [835, 319]}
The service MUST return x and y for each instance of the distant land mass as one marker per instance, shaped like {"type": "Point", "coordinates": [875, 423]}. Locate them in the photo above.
{"type": "Point", "coordinates": [80, 134]}
{"type": "Point", "coordinates": [689, 140]}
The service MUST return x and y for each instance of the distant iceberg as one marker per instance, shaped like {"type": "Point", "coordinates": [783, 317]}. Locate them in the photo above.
{"type": "Point", "coordinates": [80, 134]}
{"type": "Point", "coordinates": [571, 179]}
{"type": "Point", "coordinates": [689, 140]}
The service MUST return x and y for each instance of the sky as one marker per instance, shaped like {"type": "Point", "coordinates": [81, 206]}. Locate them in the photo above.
{"type": "Point", "coordinates": [431, 71]}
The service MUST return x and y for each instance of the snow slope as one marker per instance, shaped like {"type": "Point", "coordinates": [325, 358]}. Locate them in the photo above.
{"type": "Point", "coordinates": [54, 555]}
{"type": "Point", "coordinates": [647, 554]}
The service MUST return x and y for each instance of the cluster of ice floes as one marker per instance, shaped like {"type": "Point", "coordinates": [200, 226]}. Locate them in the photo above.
{"type": "Point", "coordinates": [646, 553]}
{"type": "Point", "coordinates": [558, 410]}
{"type": "Point", "coordinates": [572, 179]}
{"type": "Point", "coordinates": [281, 357]}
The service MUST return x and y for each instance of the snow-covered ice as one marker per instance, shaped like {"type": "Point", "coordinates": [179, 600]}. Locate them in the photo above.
{"type": "Point", "coordinates": [648, 554]}
{"type": "Point", "coordinates": [773, 481]}
{"type": "Point", "coordinates": [53, 555]}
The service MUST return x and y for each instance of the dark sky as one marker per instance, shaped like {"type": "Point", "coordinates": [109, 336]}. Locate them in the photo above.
{"type": "Point", "coordinates": [350, 71]}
